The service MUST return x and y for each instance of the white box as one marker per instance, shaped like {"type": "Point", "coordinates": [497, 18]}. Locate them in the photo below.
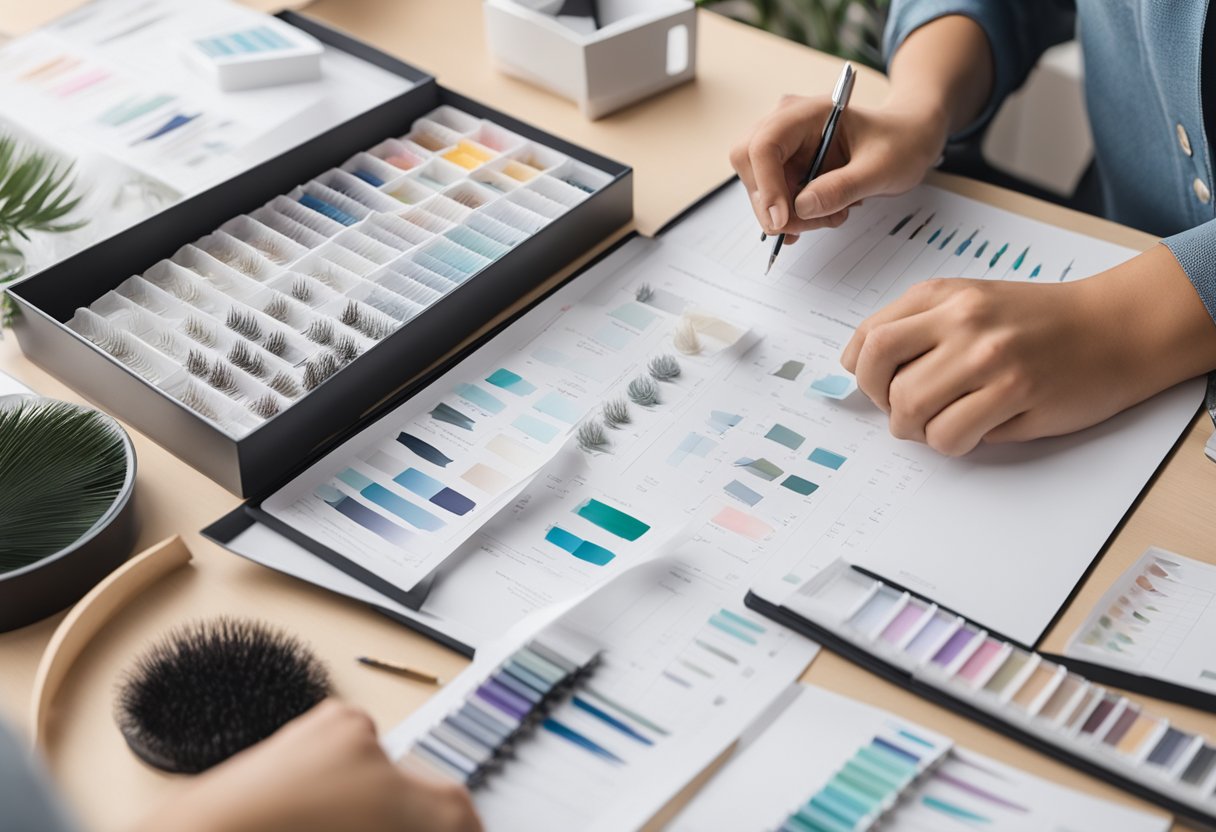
{"type": "Point", "coordinates": [642, 47]}
{"type": "Point", "coordinates": [265, 53]}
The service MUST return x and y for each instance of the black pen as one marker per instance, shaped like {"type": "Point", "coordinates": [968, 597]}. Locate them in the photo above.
{"type": "Point", "coordinates": [840, 100]}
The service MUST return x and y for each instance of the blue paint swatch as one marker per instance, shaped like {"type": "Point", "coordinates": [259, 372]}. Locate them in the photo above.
{"type": "Point", "coordinates": [832, 386]}
{"type": "Point", "coordinates": [475, 395]}
{"type": "Point", "coordinates": [423, 449]}
{"type": "Point", "coordinates": [828, 459]}
{"type": "Point", "coordinates": [559, 407]}
{"type": "Point", "coordinates": [538, 429]}
{"type": "Point", "coordinates": [429, 488]}
{"type": "Point", "coordinates": [741, 492]}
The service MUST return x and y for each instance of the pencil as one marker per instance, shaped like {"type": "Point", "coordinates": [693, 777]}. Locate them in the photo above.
{"type": "Point", "coordinates": [840, 100]}
{"type": "Point", "coordinates": [401, 670]}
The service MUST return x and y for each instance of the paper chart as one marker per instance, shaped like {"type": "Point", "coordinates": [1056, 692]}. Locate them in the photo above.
{"type": "Point", "coordinates": [109, 78]}
{"type": "Point", "coordinates": [1158, 619]}
{"type": "Point", "coordinates": [680, 675]}
{"type": "Point", "coordinates": [760, 449]}
{"type": "Point", "coordinates": [808, 745]}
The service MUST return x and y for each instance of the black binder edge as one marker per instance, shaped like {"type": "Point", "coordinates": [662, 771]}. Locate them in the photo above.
{"type": "Point", "coordinates": [223, 530]}
{"type": "Point", "coordinates": [837, 644]}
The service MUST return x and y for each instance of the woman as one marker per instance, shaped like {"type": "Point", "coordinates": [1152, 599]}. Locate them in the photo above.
{"type": "Point", "coordinates": [958, 362]}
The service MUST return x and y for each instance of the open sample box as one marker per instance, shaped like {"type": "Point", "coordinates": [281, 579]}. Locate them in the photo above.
{"type": "Point", "coordinates": [244, 327]}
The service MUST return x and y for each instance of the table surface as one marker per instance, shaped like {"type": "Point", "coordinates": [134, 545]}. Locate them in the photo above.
{"type": "Point", "coordinates": [677, 145]}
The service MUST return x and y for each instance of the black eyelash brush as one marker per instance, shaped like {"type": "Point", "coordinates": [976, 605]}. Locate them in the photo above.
{"type": "Point", "coordinates": [214, 688]}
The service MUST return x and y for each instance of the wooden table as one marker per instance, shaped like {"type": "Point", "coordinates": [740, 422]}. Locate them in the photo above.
{"type": "Point", "coordinates": [677, 146]}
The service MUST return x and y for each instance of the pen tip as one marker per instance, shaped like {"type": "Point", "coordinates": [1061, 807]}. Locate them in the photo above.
{"type": "Point", "coordinates": [769, 267]}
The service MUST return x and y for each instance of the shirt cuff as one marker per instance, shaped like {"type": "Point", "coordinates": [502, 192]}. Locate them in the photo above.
{"type": "Point", "coordinates": [1195, 250]}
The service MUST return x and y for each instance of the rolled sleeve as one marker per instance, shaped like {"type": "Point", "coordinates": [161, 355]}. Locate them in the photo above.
{"type": "Point", "coordinates": [1195, 250]}
{"type": "Point", "coordinates": [1018, 34]}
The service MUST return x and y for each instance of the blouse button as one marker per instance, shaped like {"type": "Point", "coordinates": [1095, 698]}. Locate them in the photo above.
{"type": "Point", "coordinates": [1201, 190]}
{"type": "Point", "coordinates": [1184, 141]}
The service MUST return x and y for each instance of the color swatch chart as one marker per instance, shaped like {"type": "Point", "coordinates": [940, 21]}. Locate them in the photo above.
{"type": "Point", "coordinates": [692, 400]}
{"type": "Point", "coordinates": [403, 496]}
{"type": "Point", "coordinates": [476, 739]}
{"type": "Point", "coordinates": [247, 320]}
{"type": "Point", "coordinates": [888, 245]}
{"type": "Point", "coordinates": [680, 675]}
{"type": "Point", "coordinates": [1158, 619]}
{"type": "Point", "coordinates": [848, 755]}
{"type": "Point", "coordinates": [108, 81]}
{"type": "Point", "coordinates": [1021, 688]}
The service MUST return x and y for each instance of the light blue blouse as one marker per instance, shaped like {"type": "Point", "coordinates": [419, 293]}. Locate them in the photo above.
{"type": "Point", "coordinates": [1143, 70]}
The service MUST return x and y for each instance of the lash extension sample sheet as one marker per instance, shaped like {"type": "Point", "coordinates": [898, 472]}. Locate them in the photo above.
{"type": "Point", "coordinates": [674, 389]}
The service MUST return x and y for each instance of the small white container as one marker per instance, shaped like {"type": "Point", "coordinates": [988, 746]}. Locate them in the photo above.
{"type": "Point", "coordinates": [642, 47]}
{"type": "Point", "coordinates": [263, 54]}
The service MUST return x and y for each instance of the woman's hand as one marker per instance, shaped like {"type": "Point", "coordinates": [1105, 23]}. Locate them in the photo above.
{"type": "Point", "coordinates": [322, 772]}
{"type": "Point", "coordinates": [875, 151]}
{"type": "Point", "coordinates": [958, 362]}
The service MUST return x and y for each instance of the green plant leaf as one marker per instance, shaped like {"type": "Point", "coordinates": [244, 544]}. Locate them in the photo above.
{"type": "Point", "coordinates": [61, 468]}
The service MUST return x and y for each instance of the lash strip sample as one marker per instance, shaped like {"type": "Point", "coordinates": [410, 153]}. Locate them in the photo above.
{"type": "Point", "coordinates": [279, 308]}
{"type": "Point", "coordinates": [197, 330]}
{"type": "Point", "coordinates": [643, 391]}
{"type": "Point", "coordinates": [616, 412]}
{"type": "Point", "coordinates": [320, 331]}
{"type": "Point", "coordinates": [354, 317]}
{"type": "Point", "coordinates": [245, 358]}
{"type": "Point", "coordinates": [319, 369]}
{"type": "Point", "coordinates": [243, 323]}
{"type": "Point", "coordinates": [197, 364]}
{"type": "Point", "coordinates": [591, 436]}
{"type": "Point", "coordinates": [686, 339]}
{"type": "Point", "coordinates": [275, 343]}
{"type": "Point", "coordinates": [664, 368]}
{"type": "Point", "coordinates": [265, 407]}
{"type": "Point", "coordinates": [285, 385]}
{"type": "Point", "coordinates": [222, 379]}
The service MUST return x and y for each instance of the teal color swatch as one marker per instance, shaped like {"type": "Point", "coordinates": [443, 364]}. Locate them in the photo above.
{"type": "Point", "coordinates": [634, 314]}
{"type": "Point", "coordinates": [538, 429]}
{"type": "Point", "coordinates": [798, 485]}
{"type": "Point", "coordinates": [784, 436]}
{"type": "Point", "coordinates": [951, 809]}
{"type": "Point", "coordinates": [614, 521]}
{"type": "Point", "coordinates": [832, 386]}
{"type": "Point", "coordinates": [475, 395]}
{"type": "Point", "coordinates": [584, 550]}
{"type": "Point", "coordinates": [725, 625]}
{"type": "Point", "coordinates": [739, 620]}
{"type": "Point", "coordinates": [511, 382]}
{"type": "Point", "coordinates": [559, 407]}
{"type": "Point", "coordinates": [828, 459]}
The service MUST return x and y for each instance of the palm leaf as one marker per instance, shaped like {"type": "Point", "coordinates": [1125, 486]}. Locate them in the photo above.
{"type": "Point", "coordinates": [37, 193]}
{"type": "Point", "coordinates": [61, 468]}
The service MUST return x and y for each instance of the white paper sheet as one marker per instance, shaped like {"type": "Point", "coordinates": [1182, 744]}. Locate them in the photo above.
{"type": "Point", "coordinates": [77, 83]}
{"type": "Point", "coordinates": [1157, 619]}
{"type": "Point", "coordinates": [762, 444]}
{"type": "Point", "coordinates": [811, 739]}
{"type": "Point", "coordinates": [673, 654]}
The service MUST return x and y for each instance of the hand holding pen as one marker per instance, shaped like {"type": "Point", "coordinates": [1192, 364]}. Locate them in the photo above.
{"type": "Point", "coordinates": [873, 151]}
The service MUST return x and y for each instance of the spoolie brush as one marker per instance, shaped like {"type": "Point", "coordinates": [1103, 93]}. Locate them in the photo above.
{"type": "Point", "coordinates": [214, 688]}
